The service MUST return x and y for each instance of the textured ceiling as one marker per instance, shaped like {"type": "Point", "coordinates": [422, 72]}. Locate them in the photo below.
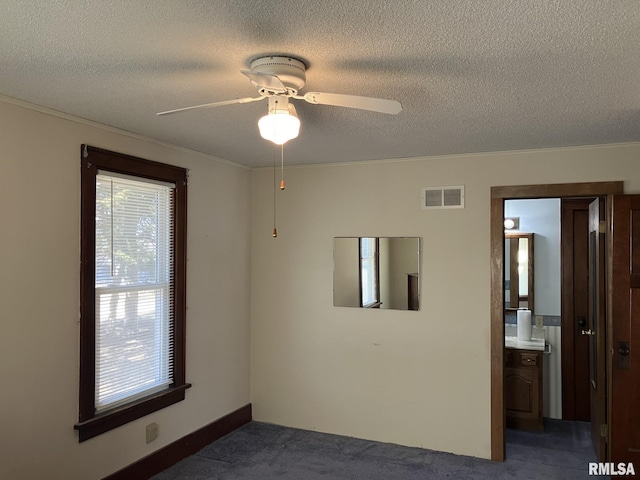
{"type": "Point", "coordinates": [472, 76]}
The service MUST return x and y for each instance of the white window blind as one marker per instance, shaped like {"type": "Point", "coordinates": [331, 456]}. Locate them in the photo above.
{"type": "Point", "coordinates": [134, 289]}
{"type": "Point", "coordinates": [368, 270]}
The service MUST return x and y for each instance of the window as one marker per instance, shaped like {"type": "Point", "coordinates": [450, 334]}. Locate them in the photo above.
{"type": "Point", "coordinates": [369, 272]}
{"type": "Point", "coordinates": [132, 328]}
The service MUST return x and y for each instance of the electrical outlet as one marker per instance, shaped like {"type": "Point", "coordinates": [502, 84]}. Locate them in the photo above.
{"type": "Point", "coordinates": [539, 321]}
{"type": "Point", "coordinates": [152, 432]}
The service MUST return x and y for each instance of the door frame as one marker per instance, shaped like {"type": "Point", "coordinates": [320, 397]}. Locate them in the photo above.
{"type": "Point", "coordinates": [498, 195]}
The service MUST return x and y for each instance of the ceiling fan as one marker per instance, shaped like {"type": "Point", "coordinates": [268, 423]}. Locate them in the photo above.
{"type": "Point", "coordinates": [278, 79]}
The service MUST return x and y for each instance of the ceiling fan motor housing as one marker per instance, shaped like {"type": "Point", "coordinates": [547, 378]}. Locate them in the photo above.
{"type": "Point", "coordinates": [282, 76]}
{"type": "Point", "coordinates": [290, 71]}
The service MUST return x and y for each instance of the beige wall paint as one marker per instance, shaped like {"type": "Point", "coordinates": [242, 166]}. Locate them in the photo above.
{"type": "Point", "coordinates": [39, 297]}
{"type": "Point", "coordinates": [413, 378]}
{"type": "Point", "coordinates": [346, 272]}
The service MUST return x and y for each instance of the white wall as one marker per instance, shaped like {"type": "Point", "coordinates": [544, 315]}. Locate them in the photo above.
{"type": "Point", "coordinates": [542, 217]}
{"type": "Point", "coordinates": [40, 295]}
{"type": "Point", "coordinates": [552, 374]}
{"type": "Point", "coordinates": [413, 378]}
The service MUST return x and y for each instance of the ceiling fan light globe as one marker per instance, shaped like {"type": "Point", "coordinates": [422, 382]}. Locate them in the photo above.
{"type": "Point", "coordinates": [279, 127]}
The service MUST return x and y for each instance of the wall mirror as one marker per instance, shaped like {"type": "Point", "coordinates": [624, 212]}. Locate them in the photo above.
{"type": "Point", "coordinates": [376, 272]}
{"type": "Point", "coordinates": [518, 271]}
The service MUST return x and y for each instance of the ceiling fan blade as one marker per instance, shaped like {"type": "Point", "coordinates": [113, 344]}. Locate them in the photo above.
{"type": "Point", "coordinates": [265, 80]}
{"type": "Point", "coordinates": [352, 101]}
{"type": "Point", "coordinates": [214, 104]}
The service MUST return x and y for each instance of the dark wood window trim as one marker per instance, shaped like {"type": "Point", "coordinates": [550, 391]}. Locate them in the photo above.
{"type": "Point", "coordinates": [93, 159]}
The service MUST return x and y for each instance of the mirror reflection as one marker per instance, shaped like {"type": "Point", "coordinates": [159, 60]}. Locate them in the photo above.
{"type": "Point", "coordinates": [376, 272]}
{"type": "Point", "coordinates": [518, 270]}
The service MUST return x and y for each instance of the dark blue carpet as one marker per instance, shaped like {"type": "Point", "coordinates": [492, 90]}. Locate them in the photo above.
{"type": "Point", "coordinates": [260, 451]}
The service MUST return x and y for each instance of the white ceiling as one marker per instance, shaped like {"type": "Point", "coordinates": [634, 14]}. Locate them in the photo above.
{"type": "Point", "coordinates": [472, 76]}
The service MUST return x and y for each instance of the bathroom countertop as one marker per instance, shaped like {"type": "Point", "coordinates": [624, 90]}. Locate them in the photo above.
{"type": "Point", "coordinates": [537, 341]}
{"type": "Point", "coordinates": [533, 344]}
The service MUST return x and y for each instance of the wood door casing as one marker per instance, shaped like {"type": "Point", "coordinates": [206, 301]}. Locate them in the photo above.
{"type": "Point", "coordinates": [574, 240]}
{"type": "Point", "coordinates": [498, 195]}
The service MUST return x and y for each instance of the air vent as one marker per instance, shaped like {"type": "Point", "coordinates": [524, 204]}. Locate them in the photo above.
{"type": "Point", "coordinates": [443, 197]}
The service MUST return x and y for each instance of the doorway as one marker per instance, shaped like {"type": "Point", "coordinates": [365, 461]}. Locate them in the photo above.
{"type": "Point", "coordinates": [498, 197]}
{"type": "Point", "coordinates": [539, 219]}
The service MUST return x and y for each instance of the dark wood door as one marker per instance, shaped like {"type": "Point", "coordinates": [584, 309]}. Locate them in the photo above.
{"type": "Point", "coordinates": [596, 331]}
{"type": "Point", "coordinates": [576, 402]}
{"type": "Point", "coordinates": [624, 343]}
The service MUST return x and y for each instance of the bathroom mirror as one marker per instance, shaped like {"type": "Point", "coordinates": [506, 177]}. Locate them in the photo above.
{"type": "Point", "coordinates": [376, 272]}
{"type": "Point", "coordinates": [518, 271]}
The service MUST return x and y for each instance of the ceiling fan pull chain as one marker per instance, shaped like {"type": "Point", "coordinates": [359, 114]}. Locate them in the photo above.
{"type": "Point", "coordinates": [275, 230]}
{"type": "Point", "coordinates": [282, 167]}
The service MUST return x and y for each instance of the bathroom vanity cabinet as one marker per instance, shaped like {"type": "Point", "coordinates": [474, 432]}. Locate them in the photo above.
{"type": "Point", "coordinates": [523, 388]}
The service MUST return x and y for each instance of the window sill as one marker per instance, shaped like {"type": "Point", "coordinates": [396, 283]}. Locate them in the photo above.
{"type": "Point", "coordinates": [373, 305]}
{"type": "Point", "coordinates": [115, 418]}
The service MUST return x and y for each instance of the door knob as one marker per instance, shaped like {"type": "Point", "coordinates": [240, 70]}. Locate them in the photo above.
{"type": "Point", "coordinates": [582, 321]}
{"type": "Point", "coordinates": [588, 332]}
{"type": "Point", "coordinates": [621, 360]}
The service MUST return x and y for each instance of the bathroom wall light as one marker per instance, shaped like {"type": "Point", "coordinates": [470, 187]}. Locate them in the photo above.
{"type": "Point", "coordinates": [281, 123]}
{"type": "Point", "coordinates": [512, 223]}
